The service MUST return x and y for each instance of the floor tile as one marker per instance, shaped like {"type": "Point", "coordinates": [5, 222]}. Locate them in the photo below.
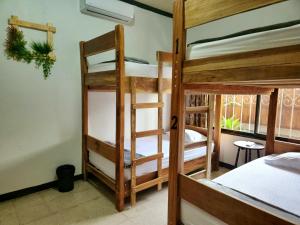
{"type": "Point", "coordinates": [9, 219]}
{"type": "Point", "coordinates": [32, 213]}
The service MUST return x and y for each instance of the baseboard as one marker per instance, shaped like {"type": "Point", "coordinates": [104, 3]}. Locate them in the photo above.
{"type": "Point", "coordinates": [226, 165]}
{"type": "Point", "coordinates": [31, 190]}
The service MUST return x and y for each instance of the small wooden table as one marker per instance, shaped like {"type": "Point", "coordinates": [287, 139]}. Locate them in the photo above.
{"type": "Point", "coordinates": [248, 146]}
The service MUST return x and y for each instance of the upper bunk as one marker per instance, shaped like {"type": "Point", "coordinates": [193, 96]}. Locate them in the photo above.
{"type": "Point", "coordinates": [262, 57]}
{"type": "Point", "coordinates": [109, 75]}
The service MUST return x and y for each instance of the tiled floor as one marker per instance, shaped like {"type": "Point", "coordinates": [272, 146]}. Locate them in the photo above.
{"type": "Point", "coordinates": [85, 205]}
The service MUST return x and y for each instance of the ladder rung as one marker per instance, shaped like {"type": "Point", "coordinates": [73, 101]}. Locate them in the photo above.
{"type": "Point", "coordinates": [197, 109]}
{"type": "Point", "coordinates": [148, 105]}
{"type": "Point", "coordinates": [142, 160]}
{"type": "Point", "coordinates": [148, 133]}
{"type": "Point", "coordinates": [147, 185]}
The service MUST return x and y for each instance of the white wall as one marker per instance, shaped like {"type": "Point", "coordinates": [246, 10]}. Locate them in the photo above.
{"type": "Point", "coordinates": [41, 120]}
{"type": "Point", "coordinates": [282, 12]}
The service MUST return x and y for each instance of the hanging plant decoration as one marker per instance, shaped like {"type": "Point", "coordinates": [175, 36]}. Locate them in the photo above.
{"type": "Point", "coordinates": [39, 52]}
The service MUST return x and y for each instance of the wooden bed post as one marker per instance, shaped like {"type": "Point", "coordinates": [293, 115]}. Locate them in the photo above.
{"type": "Point", "coordinates": [84, 106]}
{"type": "Point", "coordinates": [217, 130]}
{"type": "Point", "coordinates": [270, 139]}
{"type": "Point", "coordinates": [177, 114]}
{"type": "Point", "coordinates": [120, 93]}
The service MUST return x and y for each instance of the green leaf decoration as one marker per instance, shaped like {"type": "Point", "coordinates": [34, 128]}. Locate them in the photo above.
{"type": "Point", "coordinates": [231, 123]}
{"type": "Point", "coordinates": [15, 48]}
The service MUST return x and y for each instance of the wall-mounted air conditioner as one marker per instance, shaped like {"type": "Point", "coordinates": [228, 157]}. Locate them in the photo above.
{"type": "Point", "coordinates": [115, 10]}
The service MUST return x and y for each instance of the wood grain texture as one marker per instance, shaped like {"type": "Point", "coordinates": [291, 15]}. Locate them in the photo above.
{"type": "Point", "coordinates": [196, 109]}
{"type": "Point", "coordinates": [282, 147]}
{"type": "Point", "coordinates": [147, 133]}
{"type": "Point", "coordinates": [262, 65]}
{"type": "Point", "coordinates": [120, 101]}
{"type": "Point", "coordinates": [142, 160]}
{"type": "Point", "coordinates": [14, 20]}
{"type": "Point", "coordinates": [216, 9]}
{"type": "Point", "coordinates": [177, 114]}
{"type": "Point", "coordinates": [218, 126]}
{"type": "Point", "coordinates": [210, 133]}
{"type": "Point", "coordinates": [271, 126]}
{"type": "Point", "coordinates": [229, 206]}
{"type": "Point", "coordinates": [103, 43]}
{"type": "Point", "coordinates": [102, 176]}
{"type": "Point", "coordinates": [104, 149]}
{"type": "Point", "coordinates": [84, 110]}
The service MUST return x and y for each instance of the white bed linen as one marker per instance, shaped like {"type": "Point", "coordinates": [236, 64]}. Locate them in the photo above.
{"type": "Point", "coordinates": [133, 69]}
{"type": "Point", "coordinates": [277, 187]}
{"type": "Point", "coordinates": [256, 41]}
{"type": "Point", "coordinates": [144, 146]}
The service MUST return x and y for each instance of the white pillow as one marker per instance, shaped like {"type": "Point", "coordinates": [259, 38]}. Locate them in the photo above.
{"type": "Point", "coordinates": [289, 160]}
{"type": "Point", "coordinates": [192, 136]}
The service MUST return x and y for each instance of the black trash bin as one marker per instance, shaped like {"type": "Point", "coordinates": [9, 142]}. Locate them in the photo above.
{"type": "Point", "coordinates": [65, 175]}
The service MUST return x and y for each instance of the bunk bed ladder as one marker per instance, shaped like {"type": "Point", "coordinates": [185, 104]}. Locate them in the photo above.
{"type": "Point", "coordinates": [209, 110]}
{"type": "Point", "coordinates": [134, 135]}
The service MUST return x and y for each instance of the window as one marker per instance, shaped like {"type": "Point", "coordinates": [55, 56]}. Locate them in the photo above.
{"type": "Point", "coordinates": [249, 113]}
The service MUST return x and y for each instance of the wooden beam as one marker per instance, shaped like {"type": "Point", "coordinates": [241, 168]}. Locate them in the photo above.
{"type": "Point", "coordinates": [216, 9]}
{"type": "Point", "coordinates": [148, 105]}
{"type": "Point", "coordinates": [84, 111]}
{"type": "Point", "coordinates": [104, 149]}
{"type": "Point", "coordinates": [147, 185]}
{"type": "Point", "coordinates": [148, 133]}
{"type": "Point", "coordinates": [103, 78]}
{"type": "Point", "coordinates": [118, 39]}
{"type": "Point", "coordinates": [271, 127]}
{"type": "Point", "coordinates": [196, 109]}
{"type": "Point", "coordinates": [177, 114]}
{"type": "Point", "coordinates": [164, 57]}
{"type": "Point", "coordinates": [145, 159]}
{"type": "Point", "coordinates": [218, 126]}
{"type": "Point", "coordinates": [210, 132]}
{"type": "Point", "coordinates": [100, 44]}
{"type": "Point", "coordinates": [229, 206]}
{"type": "Point", "coordinates": [226, 89]}
{"type": "Point", "coordinates": [102, 176]}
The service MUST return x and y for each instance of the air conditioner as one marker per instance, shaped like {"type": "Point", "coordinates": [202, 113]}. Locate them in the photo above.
{"type": "Point", "coordinates": [109, 9]}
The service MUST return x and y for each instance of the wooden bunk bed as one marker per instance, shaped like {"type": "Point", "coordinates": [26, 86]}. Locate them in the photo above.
{"type": "Point", "coordinates": [119, 82]}
{"type": "Point", "coordinates": [260, 71]}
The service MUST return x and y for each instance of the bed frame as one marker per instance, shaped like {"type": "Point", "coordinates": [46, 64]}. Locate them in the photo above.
{"type": "Point", "coordinates": [255, 72]}
{"type": "Point", "coordinates": [117, 81]}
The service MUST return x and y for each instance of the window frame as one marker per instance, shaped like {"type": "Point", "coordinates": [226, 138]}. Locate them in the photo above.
{"type": "Point", "coordinates": [255, 134]}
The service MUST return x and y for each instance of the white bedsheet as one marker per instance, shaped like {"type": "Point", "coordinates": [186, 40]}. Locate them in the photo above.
{"type": "Point", "coordinates": [277, 187]}
{"type": "Point", "coordinates": [133, 69]}
{"type": "Point", "coordinates": [144, 146]}
{"type": "Point", "coordinates": [257, 41]}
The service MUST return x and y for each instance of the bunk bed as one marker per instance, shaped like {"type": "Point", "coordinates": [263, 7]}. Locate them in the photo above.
{"type": "Point", "coordinates": [251, 71]}
{"type": "Point", "coordinates": [130, 166]}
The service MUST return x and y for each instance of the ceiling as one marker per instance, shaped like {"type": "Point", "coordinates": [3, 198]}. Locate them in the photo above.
{"type": "Point", "coordinates": [165, 5]}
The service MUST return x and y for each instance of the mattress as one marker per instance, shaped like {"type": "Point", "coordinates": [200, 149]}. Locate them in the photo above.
{"type": "Point", "coordinates": [274, 186]}
{"type": "Point", "coordinates": [133, 69]}
{"type": "Point", "coordinates": [144, 146]}
{"type": "Point", "coordinates": [256, 39]}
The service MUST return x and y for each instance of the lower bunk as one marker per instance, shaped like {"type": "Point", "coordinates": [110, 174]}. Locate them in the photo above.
{"type": "Point", "coordinates": [264, 191]}
{"type": "Point", "coordinates": [101, 160]}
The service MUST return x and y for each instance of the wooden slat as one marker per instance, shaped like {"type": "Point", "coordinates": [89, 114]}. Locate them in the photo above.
{"type": "Point", "coordinates": [145, 159]}
{"type": "Point", "coordinates": [148, 105]}
{"type": "Point", "coordinates": [102, 176]}
{"type": "Point", "coordinates": [104, 78]}
{"type": "Point", "coordinates": [218, 126]}
{"type": "Point", "coordinates": [196, 109]}
{"type": "Point", "coordinates": [147, 185]}
{"type": "Point", "coordinates": [271, 126]}
{"type": "Point", "coordinates": [198, 175]}
{"type": "Point", "coordinates": [226, 89]}
{"type": "Point", "coordinates": [200, 130]}
{"type": "Point", "coordinates": [148, 133]}
{"type": "Point", "coordinates": [120, 102]}
{"type": "Point", "coordinates": [14, 20]}
{"type": "Point", "coordinates": [195, 145]}
{"type": "Point", "coordinates": [282, 147]}
{"type": "Point", "coordinates": [229, 206]}
{"type": "Point", "coordinates": [164, 57]}
{"type": "Point", "coordinates": [216, 9]}
{"type": "Point", "coordinates": [100, 44]}
{"type": "Point", "coordinates": [104, 149]}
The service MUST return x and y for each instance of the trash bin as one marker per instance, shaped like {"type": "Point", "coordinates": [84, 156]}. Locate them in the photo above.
{"type": "Point", "coordinates": [65, 175]}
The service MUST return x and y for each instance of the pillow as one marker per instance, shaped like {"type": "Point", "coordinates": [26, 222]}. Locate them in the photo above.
{"type": "Point", "coordinates": [192, 136]}
{"type": "Point", "coordinates": [289, 160]}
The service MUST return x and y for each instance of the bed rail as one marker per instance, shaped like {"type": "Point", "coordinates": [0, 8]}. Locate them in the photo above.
{"type": "Point", "coordinates": [229, 206]}
{"type": "Point", "coordinates": [216, 9]}
{"type": "Point", "coordinates": [104, 149]}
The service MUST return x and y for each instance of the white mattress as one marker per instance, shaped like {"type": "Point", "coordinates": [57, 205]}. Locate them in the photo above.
{"type": "Point", "coordinates": [277, 187]}
{"type": "Point", "coordinates": [256, 41]}
{"type": "Point", "coordinates": [144, 146]}
{"type": "Point", "coordinates": [133, 69]}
